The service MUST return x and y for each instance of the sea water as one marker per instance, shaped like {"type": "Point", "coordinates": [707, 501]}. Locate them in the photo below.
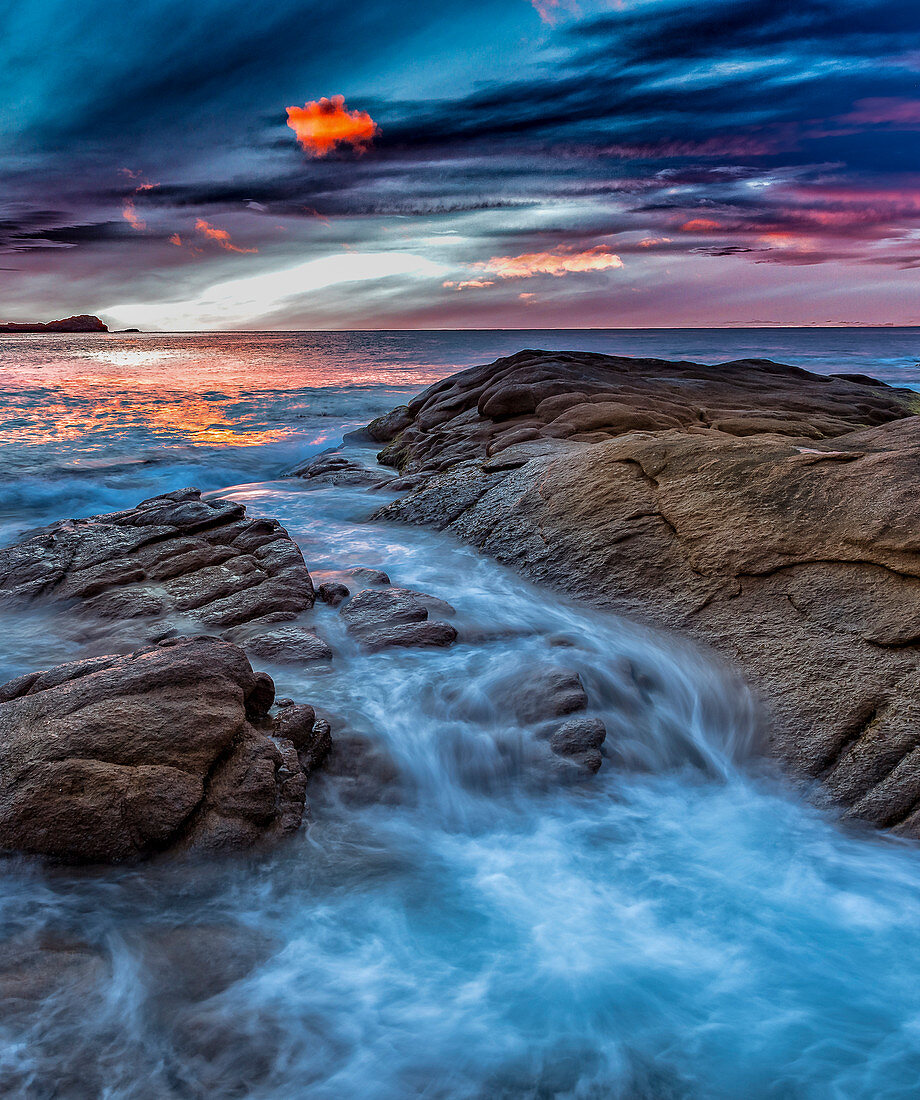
{"type": "Point", "coordinates": [684, 924]}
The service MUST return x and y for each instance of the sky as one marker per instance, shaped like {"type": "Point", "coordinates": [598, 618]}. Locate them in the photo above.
{"type": "Point", "coordinates": [214, 164]}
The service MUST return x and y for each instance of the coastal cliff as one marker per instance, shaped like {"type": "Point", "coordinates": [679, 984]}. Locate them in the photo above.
{"type": "Point", "coordinates": [766, 511]}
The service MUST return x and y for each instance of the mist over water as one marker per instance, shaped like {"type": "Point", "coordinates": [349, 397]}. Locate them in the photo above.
{"type": "Point", "coordinates": [683, 925]}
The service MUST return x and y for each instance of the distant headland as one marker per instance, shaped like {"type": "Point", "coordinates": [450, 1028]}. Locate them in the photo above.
{"type": "Point", "coordinates": [84, 323]}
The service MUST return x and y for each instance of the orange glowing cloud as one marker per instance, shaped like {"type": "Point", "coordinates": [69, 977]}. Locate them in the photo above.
{"type": "Point", "coordinates": [323, 124]}
{"type": "Point", "coordinates": [470, 284]}
{"type": "Point", "coordinates": [562, 261]}
{"type": "Point", "coordinates": [220, 236]}
{"type": "Point", "coordinates": [700, 225]}
{"type": "Point", "coordinates": [128, 206]}
{"type": "Point", "coordinates": [129, 213]}
{"type": "Point", "coordinates": [176, 240]}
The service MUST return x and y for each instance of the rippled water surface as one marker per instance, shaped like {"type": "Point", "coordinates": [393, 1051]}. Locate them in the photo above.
{"type": "Point", "coordinates": [683, 925]}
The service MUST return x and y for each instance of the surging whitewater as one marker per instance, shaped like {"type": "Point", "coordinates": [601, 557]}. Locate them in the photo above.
{"type": "Point", "coordinates": [682, 925]}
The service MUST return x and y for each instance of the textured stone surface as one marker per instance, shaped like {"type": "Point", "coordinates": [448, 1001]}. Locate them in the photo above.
{"type": "Point", "coordinates": [539, 395]}
{"type": "Point", "coordinates": [174, 558]}
{"type": "Point", "coordinates": [380, 618]}
{"type": "Point", "coordinates": [121, 757]}
{"type": "Point", "coordinates": [771, 513]}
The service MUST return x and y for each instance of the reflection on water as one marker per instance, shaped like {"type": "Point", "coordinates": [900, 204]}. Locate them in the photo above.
{"type": "Point", "coordinates": [681, 927]}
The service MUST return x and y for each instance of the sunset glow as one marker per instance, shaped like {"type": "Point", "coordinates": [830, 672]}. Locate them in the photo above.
{"type": "Point", "coordinates": [564, 261]}
{"type": "Point", "coordinates": [219, 236]}
{"type": "Point", "coordinates": [324, 124]}
{"type": "Point", "coordinates": [724, 164]}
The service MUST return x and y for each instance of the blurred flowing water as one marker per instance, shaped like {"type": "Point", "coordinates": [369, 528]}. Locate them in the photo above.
{"type": "Point", "coordinates": [682, 925]}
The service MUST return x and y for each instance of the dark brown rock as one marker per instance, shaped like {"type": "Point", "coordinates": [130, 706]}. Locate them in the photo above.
{"type": "Point", "coordinates": [121, 757]}
{"type": "Point", "coordinates": [288, 645]}
{"type": "Point", "coordinates": [380, 618]}
{"type": "Point", "coordinates": [333, 467]}
{"type": "Point", "coordinates": [332, 593]}
{"type": "Point", "coordinates": [388, 426]}
{"type": "Point", "coordinates": [579, 739]}
{"type": "Point", "coordinates": [432, 633]}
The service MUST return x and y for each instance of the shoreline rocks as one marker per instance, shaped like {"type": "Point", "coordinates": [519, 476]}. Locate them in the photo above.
{"type": "Point", "coordinates": [765, 511]}
{"type": "Point", "coordinates": [171, 748]}
{"type": "Point", "coordinates": [171, 561]}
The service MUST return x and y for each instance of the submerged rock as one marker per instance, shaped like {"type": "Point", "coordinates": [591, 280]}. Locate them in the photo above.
{"type": "Point", "coordinates": [169, 748]}
{"type": "Point", "coordinates": [333, 467]}
{"type": "Point", "coordinates": [383, 617]}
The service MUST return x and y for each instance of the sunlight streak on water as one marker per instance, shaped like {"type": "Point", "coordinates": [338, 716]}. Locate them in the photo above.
{"type": "Point", "coordinates": [680, 926]}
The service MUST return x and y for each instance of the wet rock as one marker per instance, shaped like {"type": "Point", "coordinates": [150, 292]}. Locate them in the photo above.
{"type": "Point", "coordinates": [332, 593]}
{"type": "Point", "coordinates": [310, 736]}
{"type": "Point", "coordinates": [766, 511]}
{"type": "Point", "coordinates": [538, 693]}
{"type": "Point", "coordinates": [288, 645]}
{"type": "Point", "coordinates": [363, 575]}
{"type": "Point", "coordinates": [390, 425]}
{"type": "Point", "coordinates": [381, 618]}
{"type": "Point", "coordinates": [174, 558]}
{"type": "Point", "coordinates": [360, 772]}
{"type": "Point", "coordinates": [333, 467]}
{"type": "Point", "coordinates": [38, 967]}
{"type": "Point", "coordinates": [430, 634]}
{"type": "Point", "coordinates": [123, 757]}
{"type": "Point", "coordinates": [580, 740]}
{"type": "Point", "coordinates": [194, 962]}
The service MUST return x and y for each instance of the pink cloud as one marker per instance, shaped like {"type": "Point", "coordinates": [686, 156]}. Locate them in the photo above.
{"type": "Point", "coordinates": [562, 261]}
{"type": "Point", "coordinates": [700, 225]}
{"type": "Point", "coordinates": [129, 206]}
{"type": "Point", "coordinates": [884, 111]}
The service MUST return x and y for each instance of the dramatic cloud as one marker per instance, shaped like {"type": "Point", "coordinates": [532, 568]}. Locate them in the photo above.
{"type": "Point", "coordinates": [220, 237]}
{"type": "Point", "coordinates": [562, 261]}
{"type": "Point", "coordinates": [323, 124]}
{"type": "Point", "coordinates": [731, 153]}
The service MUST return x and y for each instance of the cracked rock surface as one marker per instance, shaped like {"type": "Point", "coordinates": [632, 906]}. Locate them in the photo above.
{"type": "Point", "coordinates": [170, 748]}
{"type": "Point", "coordinates": [768, 512]}
{"type": "Point", "coordinates": [172, 558]}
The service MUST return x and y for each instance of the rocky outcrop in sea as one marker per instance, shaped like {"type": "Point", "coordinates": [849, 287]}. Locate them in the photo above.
{"type": "Point", "coordinates": [766, 511]}
{"type": "Point", "coordinates": [163, 739]}
{"type": "Point", "coordinates": [85, 322]}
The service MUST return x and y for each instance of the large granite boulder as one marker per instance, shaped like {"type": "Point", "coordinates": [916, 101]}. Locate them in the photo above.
{"type": "Point", "coordinates": [174, 559]}
{"type": "Point", "coordinates": [775, 516]}
{"type": "Point", "coordinates": [588, 398]}
{"type": "Point", "coordinates": [169, 748]}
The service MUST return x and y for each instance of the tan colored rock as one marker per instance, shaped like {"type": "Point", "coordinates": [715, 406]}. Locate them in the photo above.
{"type": "Point", "coordinates": [794, 554]}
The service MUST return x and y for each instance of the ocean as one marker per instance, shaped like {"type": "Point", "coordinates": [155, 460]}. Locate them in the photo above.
{"type": "Point", "coordinates": [685, 927]}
